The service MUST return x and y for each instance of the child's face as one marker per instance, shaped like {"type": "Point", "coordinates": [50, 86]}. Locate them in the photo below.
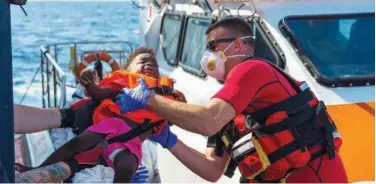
{"type": "Point", "coordinates": [145, 64]}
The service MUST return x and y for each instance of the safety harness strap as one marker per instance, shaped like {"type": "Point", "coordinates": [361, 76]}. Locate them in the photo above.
{"type": "Point", "coordinates": [140, 129]}
{"type": "Point", "coordinates": [309, 137]}
{"type": "Point", "coordinates": [306, 113]}
{"type": "Point", "coordinates": [309, 134]}
{"type": "Point", "coordinates": [288, 105]}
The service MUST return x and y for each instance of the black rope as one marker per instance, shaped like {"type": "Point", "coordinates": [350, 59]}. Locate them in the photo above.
{"type": "Point", "coordinates": [318, 169]}
{"type": "Point", "coordinates": [28, 88]}
{"type": "Point", "coordinates": [23, 10]}
{"type": "Point", "coordinates": [135, 5]}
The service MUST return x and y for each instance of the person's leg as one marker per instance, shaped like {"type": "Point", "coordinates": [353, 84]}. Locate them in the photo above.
{"type": "Point", "coordinates": [81, 143]}
{"type": "Point", "coordinates": [126, 164]}
{"type": "Point", "coordinates": [29, 119]}
{"type": "Point", "coordinates": [78, 144]}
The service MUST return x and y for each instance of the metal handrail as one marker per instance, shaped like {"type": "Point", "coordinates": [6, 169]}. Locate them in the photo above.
{"type": "Point", "coordinates": [50, 67]}
{"type": "Point", "coordinates": [90, 42]}
{"type": "Point", "coordinates": [60, 72]}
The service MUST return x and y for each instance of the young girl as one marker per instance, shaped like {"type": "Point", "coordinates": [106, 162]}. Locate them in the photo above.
{"type": "Point", "coordinates": [124, 157]}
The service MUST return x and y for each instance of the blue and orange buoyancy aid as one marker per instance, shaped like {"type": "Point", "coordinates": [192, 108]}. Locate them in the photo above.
{"type": "Point", "coordinates": [275, 149]}
{"type": "Point", "coordinates": [146, 118]}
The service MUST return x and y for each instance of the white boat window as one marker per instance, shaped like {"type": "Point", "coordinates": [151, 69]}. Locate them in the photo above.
{"type": "Point", "coordinates": [170, 32]}
{"type": "Point", "coordinates": [194, 44]}
{"type": "Point", "coordinates": [340, 48]}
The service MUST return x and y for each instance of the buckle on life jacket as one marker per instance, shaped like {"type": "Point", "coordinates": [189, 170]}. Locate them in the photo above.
{"type": "Point", "coordinates": [250, 123]}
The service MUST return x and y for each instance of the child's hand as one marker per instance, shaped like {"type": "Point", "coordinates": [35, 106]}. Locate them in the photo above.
{"type": "Point", "coordinates": [179, 96]}
{"type": "Point", "coordinates": [88, 76]}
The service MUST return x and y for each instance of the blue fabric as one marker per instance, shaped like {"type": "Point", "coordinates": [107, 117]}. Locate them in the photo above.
{"type": "Point", "coordinates": [135, 98]}
{"type": "Point", "coordinates": [166, 138]}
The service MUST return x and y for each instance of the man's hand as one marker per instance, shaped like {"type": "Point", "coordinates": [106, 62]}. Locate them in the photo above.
{"type": "Point", "coordinates": [166, 138]}
{"type": "Point", "coordinates": [88, 76]}
{"type": "Point", "coordinates": [141, 175]}
{"type": "Point", "coordinates": [135, 98]}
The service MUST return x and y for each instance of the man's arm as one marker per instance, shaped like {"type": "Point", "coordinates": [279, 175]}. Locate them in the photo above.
{"type": "Point", "coordinates": [241, 86]}
{"type": "Point", "coordinates": [205, 120]}
{"type": "Point", "coordinates": [208, 166]}
{"type": "Point", "coordinates": [29, 119]}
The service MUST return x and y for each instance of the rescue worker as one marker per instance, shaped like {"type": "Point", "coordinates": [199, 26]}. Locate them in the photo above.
{"type": "Point", "coordinates": [293, 138]}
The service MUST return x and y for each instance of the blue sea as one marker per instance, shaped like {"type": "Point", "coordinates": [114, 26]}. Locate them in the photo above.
{"type": "Point", "coordinates": [55, 22]}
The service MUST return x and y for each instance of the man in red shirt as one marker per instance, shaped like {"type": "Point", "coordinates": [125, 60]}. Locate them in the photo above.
{"type": "Point", "coordinates": [250, 85]}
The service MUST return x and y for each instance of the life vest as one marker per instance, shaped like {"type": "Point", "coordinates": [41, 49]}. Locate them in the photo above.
{"type": "Point", "coordinates": [107, 109]}
{"type": "Point", "coordinates": [274, 149]}
{"type": "Point", "coordinates": [146, 118]}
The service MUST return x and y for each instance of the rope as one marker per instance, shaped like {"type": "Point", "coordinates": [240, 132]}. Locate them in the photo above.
{"type": "Point", "coordinates": [28, 88]}
{"type": "Point", "coordinates": [135, 5]}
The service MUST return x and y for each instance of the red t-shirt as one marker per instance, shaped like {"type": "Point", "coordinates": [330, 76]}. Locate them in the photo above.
{"type": "Point", "coordinates": [253, 85]}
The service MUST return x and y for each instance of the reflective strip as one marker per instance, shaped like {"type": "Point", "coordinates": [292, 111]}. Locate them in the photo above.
{"type": "Point", "coordinates": [242, 149]}
{"type": "Point", "coordinates": [111, 61]}
{"type": "Point", "coordinates": [236, 151]}
{"type": "Point", "coordinates": [247, 137]}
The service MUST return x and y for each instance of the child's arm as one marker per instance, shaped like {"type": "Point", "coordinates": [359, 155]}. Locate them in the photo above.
{"type": "Point", "coordinates": [100, 93]}
{"type": "Point", "coordinates": [88, 78]}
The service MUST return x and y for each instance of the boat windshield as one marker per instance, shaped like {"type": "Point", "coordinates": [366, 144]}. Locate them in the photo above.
{"type": "Point", "coordinates": [336, 48]}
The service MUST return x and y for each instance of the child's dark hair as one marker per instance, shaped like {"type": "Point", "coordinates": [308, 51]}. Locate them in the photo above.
{"type": "Point", "coordinates": [135, 53]}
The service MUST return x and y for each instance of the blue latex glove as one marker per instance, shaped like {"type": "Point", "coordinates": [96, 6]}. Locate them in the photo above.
{"type": "Point", "coordinates": [141, 175]}
{"type": "Point", "coordinates": [166, 138]}
{"type": "Point", "coordinates": [135, 98]}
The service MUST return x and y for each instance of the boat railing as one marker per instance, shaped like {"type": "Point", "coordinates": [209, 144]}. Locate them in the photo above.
{"type": "Point", "coordinates": [56, 75]}
{"type": "Point", "coordinates": [51, 70]}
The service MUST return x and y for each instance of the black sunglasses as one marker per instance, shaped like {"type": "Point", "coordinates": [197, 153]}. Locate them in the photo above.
{"type": "Point", "coordinates": [211, 44]}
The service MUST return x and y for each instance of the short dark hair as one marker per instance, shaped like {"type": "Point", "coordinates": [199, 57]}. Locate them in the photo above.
{"type": "Point", "coordinates": [138, 51]}
{"type": "Point", "coordinates": [238, 25]}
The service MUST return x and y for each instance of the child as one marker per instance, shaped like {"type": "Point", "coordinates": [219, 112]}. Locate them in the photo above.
{"type": "Point", "coordinates": [123, 157]}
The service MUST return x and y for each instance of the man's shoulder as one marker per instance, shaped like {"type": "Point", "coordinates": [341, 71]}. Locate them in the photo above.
{"type": "Point", "coordinates": [254, 67]}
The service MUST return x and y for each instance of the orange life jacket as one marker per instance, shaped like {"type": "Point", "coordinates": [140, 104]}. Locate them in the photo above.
{"type": "Point", "coordinates": [146, 118]}
{"type": "Point", "coordinates": [107, 109]}
{"type": "Point", "coordinates": [277, 148]}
